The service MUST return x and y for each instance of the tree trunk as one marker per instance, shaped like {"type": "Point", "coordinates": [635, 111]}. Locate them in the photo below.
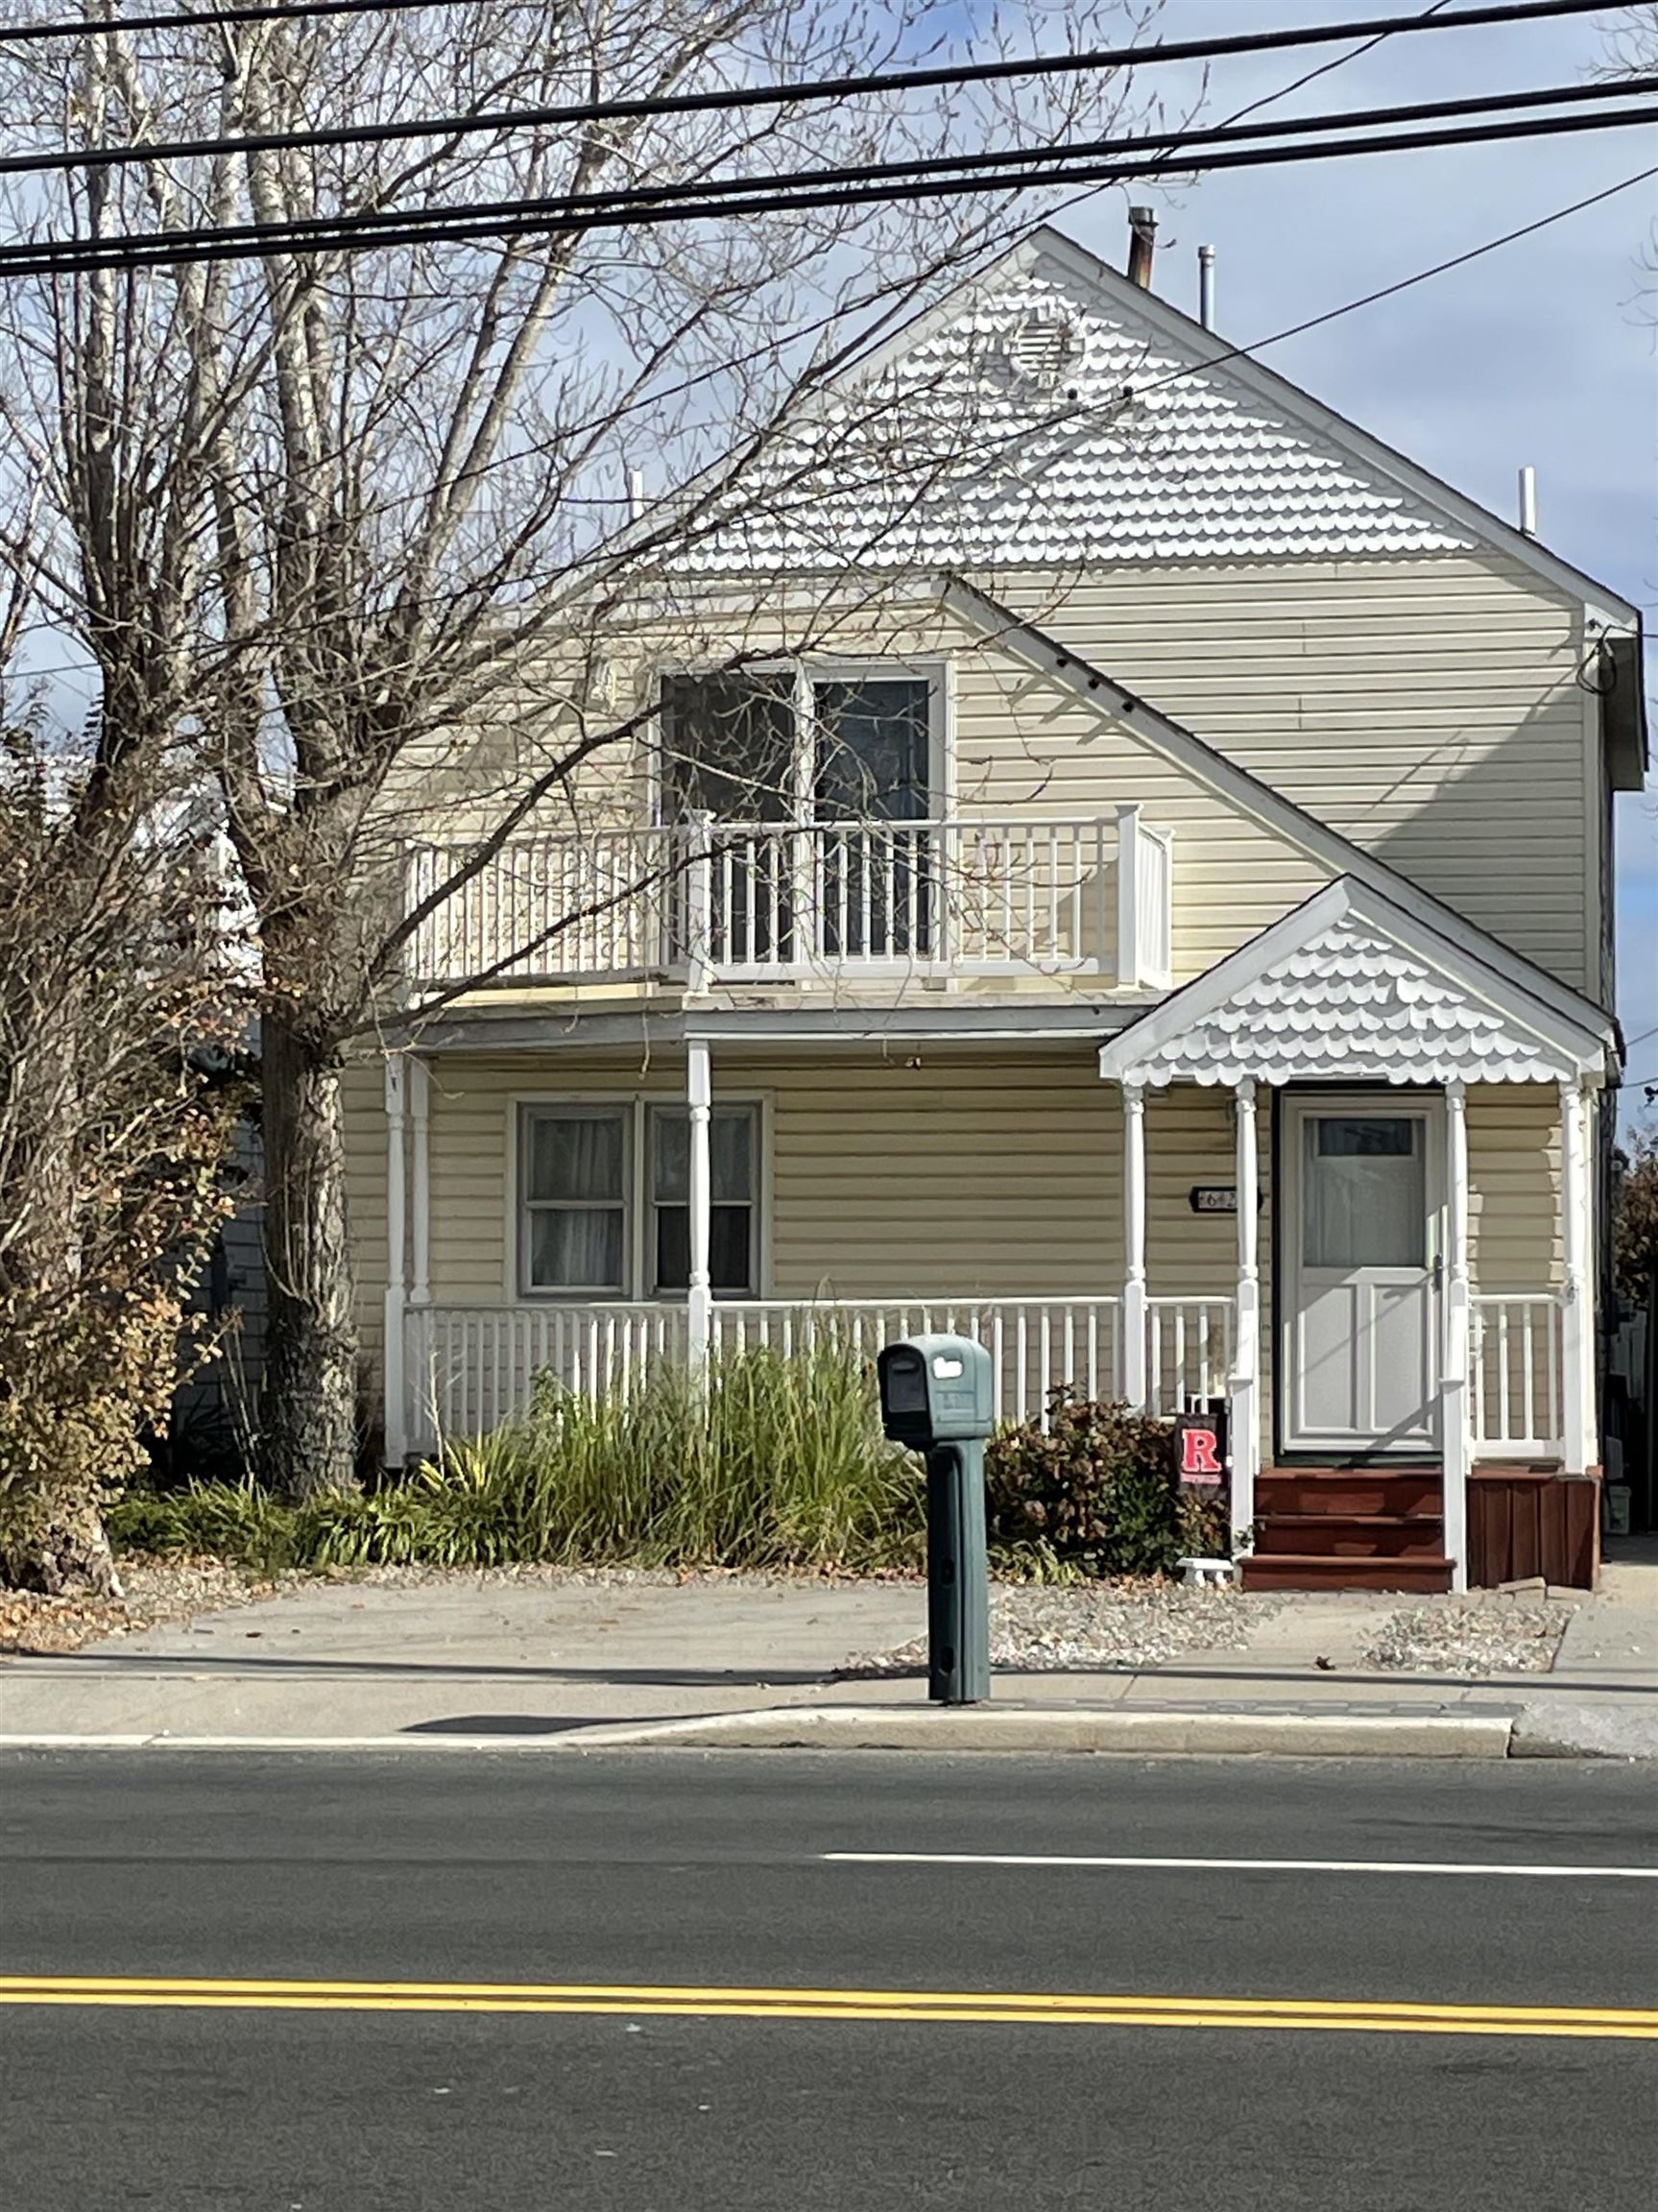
{"type": "Point", "coordinates": [308, 1395]}
{"type": "Point", "coordinates": [57, 1546]}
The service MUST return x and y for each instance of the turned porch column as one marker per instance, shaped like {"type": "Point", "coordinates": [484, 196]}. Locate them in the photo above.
{"type": "Point", "coordinates": [1455, 1429]}
{"type": "Point", "coordinates": [1577, 1310]}
{"type": "Point", "coordinates": [1134, 1308]}
{"type": "Point", "coordinates": [396, 1395]}
{"type": "Point", "coordinates": [1244, 1384]}
{"type": "Point", "coordinates": [699, 1301]}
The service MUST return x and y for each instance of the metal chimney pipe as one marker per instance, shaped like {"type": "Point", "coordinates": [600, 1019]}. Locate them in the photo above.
{"type": "Point", "coordinates": [1141, 245]}
{"type": "Point", "coordinates": [1206, 286]}
{"type": "Point", "coordinates": [636, 493]}
{"type": "Point", "coordinates": [1528, 501]}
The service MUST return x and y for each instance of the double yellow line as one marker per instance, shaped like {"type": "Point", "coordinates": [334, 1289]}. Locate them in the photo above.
{"type": "Point", "coordinates": [926, 2005]}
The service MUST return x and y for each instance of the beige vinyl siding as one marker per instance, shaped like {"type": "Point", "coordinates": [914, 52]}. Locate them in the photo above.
{"type": "Point", "coordinates": [1426, 706]}
{"type": "Point", "coordinates": [364, 1114]}
{"type": "Point", "coordinates": [1514, 1189]}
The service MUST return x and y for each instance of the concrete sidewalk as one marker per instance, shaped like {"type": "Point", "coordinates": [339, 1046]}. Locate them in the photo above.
{"type": "Point", "coordinates": [468, 1660]}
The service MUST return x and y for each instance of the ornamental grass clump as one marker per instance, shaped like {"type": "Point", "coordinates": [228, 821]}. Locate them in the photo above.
{"type": "Point", "coordinates": [766, 1461]}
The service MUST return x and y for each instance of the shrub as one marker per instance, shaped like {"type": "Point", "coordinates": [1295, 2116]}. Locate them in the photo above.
{"type": "Point", "coordinates": [1094, 1490]}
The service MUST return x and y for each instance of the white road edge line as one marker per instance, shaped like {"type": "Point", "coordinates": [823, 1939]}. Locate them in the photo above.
{"type": "Point", "coordinates": [1239, 1865]}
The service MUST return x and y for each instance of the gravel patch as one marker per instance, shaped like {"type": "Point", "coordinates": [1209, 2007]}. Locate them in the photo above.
{"type": "Point", "coordinates": [1481, 1637]}
{"type": "Point", "coordinates": [1098, 1624]}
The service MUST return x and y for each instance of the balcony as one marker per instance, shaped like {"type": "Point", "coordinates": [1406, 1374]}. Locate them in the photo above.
{"type": "Point", "coordinates": [705, 903]}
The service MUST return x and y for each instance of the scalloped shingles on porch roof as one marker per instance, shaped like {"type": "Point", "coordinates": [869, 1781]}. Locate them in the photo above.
{"type": "Point", "coordinates": [1192, 465]}
{"type": "Point", "coordinates": [1348, 988]}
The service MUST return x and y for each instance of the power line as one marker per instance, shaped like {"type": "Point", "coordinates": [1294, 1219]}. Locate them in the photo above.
{"type": "Point", "coordinates": [521, 118]}
{"type": "Point", "coordinates": [800, 90]}
{"type": "Point", "coordinates": [653, 204]}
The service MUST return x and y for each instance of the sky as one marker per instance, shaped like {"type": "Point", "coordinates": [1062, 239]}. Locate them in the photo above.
{"type": "Point", "coordinates": [1542, 352]}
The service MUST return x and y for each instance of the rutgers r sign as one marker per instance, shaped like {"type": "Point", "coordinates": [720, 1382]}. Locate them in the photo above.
{"type": "Point", "coordinates": [1200, 1450]}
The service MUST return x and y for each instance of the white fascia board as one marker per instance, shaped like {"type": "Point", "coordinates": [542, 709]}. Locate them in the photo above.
{"type": "Point", "coordinates": [1268, 808]}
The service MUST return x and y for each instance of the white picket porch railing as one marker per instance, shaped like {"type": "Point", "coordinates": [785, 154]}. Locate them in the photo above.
{"type": "Point", "coordinates": [469, 1367]}
{"type": "Point", "coordinates": [1517, 1376]}
{"type": "Point", "coordinates": [1187, 1351]}
{"type": "Point", "coordinates": [703, 901]}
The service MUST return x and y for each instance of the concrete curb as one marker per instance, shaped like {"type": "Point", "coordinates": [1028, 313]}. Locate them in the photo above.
{"type": "Point", "coordinates": [927, 1728]}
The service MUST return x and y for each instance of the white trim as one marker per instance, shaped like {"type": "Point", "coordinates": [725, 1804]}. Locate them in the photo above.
{"type": "Point", "coordinates": [421, 1125]}
{"type": "Point", "coordinates": [699, 1294]}
{"type": "Point", "coordinates": [1567, 1046]}
{"type": "Point", "coordinates": [1577, 1310]}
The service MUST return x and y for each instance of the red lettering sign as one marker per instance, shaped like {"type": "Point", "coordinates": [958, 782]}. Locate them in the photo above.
{"type": "Point", "coordinates": [1200, 1456]}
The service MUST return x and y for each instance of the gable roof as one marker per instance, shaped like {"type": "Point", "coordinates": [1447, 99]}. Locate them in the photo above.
{"type": "Point", "coordinates": [1138, 435]}
{"type": "Point", "coordinates": [1349, 985]}
{"type": "Point", "coordinates": [1050, 657]}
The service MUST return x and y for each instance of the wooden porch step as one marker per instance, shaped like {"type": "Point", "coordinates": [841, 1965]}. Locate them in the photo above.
{"type": "Point", "coordinates": [1343, 1492]}
{"type": "Point", "coordinates": [1351, 1536]}
{"type": "Point", "coordinates": [1313, 1571]}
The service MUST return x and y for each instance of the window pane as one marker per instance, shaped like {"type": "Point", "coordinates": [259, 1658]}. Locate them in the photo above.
{"type": "Point", "coordinates": [727, 745]}
{"type": "Point", "coordinates": [576, 1251]}
{"type": "Point", "coordinates": [731, 1152]}
{"type": "Point", "coordinates": [872, 749]}
{"type": "Point", "coordinates": [574, 1156]}
{"type": "Point", "coordinates": [671, 1147]}
{"type": "Point", "coordinates": [729, 1248]}
{"type": "Point", "coordinates": [1365, 1193]}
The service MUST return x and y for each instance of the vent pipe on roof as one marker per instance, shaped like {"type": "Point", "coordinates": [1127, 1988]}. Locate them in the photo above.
{"type": "Point", "coordinates": [1141, 245]}
{"type": "Point", "coordinates": [636, 493]}
{"type": "Point", "coordinates": [1529, 502]}
{"type": "Point", "coordinates": [1206, 286]}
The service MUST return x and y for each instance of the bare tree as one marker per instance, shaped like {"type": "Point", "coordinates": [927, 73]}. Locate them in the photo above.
{"type": "Point", "coordinates": [399, 556]}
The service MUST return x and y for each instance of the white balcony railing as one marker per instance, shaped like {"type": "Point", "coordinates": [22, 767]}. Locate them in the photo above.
{"type": "Point", "coordinates": [1187, 1352]}
{"type": "Point", "coordinates": [703, 901]}
{"type": "Point", "coordinates": [1517, 1394]}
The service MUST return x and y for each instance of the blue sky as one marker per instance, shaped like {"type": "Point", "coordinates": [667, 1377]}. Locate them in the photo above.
{"type": "Point", "coordinates": [1541, 352]}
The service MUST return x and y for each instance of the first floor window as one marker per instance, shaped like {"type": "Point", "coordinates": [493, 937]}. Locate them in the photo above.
{"type": "Point", "coordinates": [575, 1177]}
{"type": "Point", "coordinates": [605, 1200]}
{"type": "Point", "coordinates": [732, 1214]}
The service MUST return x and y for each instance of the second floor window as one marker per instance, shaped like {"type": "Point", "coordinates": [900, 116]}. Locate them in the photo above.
{"type": "Point", "coordinates": [771, 746]}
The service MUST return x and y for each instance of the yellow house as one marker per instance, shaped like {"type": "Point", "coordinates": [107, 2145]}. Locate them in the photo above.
{"type": "Point", "coordinates": [1159, 921]}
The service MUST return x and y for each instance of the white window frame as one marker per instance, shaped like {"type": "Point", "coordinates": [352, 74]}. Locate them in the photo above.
{"type": "Point", "coordinates": [525, 1206]}
{"type": "Point", "coordinates": [637, 1201]}
{"type": "Point", "coordinates": [936, 671]}
{"type": "Point", "coordinates": [649, 1287]}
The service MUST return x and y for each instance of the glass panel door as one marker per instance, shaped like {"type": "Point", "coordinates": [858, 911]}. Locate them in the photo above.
{"type": "Point", "coordinates": [872, 767]}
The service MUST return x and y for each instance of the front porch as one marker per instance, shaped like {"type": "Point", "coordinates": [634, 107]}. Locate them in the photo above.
{"type": "Point", "coordinates": [1120, 1238]}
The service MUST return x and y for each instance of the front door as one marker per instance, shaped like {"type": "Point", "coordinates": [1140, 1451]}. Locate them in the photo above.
{"type": "Point", "coordinates": [1359, 1325]}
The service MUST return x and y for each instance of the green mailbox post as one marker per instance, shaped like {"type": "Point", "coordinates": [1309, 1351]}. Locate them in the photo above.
{"type": "Point", "coordinates": [935, 1396]}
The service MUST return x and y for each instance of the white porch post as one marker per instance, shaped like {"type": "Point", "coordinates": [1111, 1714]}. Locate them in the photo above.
{"type": "Point", "coordinates": [1576, 1346]}
{"type": "Point", "coordinates": [1134, 1388]}
{"type": "Point", "coordinates": [417, 1359]}
{"type": "Point", "coordinates": [1244, 1382]}
{"type": "Point", "coordinates": [699, 1303]}
{"type": "Point", "coordinates": [1129, 950]}
{"type": "Point", "coordinates": [1454, 1426]}
{"type": "Point", "coordinates": [397, 1406]}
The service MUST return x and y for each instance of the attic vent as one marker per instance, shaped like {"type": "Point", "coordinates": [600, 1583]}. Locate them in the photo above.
{"type": "Point", "coordinates": [1042, 348]}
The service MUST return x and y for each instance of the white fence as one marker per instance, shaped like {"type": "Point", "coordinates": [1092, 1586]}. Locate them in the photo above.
{"type": "Point", "coordinates": [703, 900]}
{"type": "Point", "coordinates": [469, 1366]}
{"type": "Point", "coordinates": [1187, 1351]}
{"type": "Point", "coordinates": [1517, 1392]}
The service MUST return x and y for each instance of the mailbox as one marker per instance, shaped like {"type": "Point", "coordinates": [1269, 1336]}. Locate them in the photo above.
{"type": "Point", "coordinates": [936, 1390]}
{"type": "Point", "coordinates": [936, 1397]}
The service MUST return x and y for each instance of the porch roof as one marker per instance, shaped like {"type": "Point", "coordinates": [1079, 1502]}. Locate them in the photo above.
{"type": "Point", "coordinates": [1351, 986]}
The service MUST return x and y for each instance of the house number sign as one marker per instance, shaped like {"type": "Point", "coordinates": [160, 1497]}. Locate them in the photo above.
{"type": "Point", "coordinates": [1219, 1198]}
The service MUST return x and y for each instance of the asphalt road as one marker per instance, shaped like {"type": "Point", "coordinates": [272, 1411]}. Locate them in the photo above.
{"type": "Point", "coordinates": [612, 1881]}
